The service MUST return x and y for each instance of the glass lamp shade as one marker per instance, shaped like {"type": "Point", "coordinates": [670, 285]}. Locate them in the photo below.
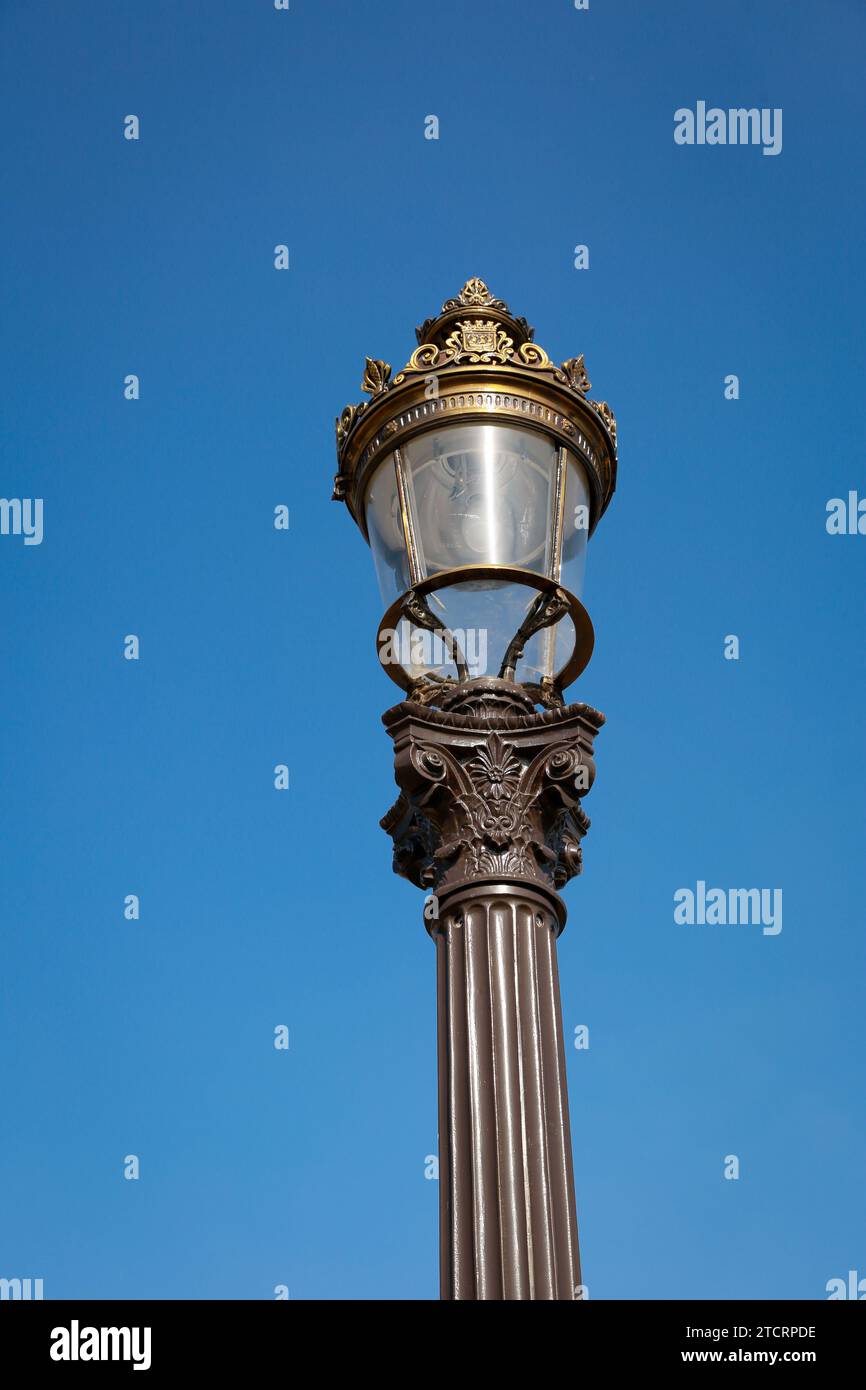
{"type": "Point", "coordinates": [483, 494]}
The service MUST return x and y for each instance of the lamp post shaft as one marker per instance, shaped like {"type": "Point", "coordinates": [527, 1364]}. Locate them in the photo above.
{"type": "Point", "coordinates": [507, 1214]}
{"type": "Point", "coordinates": [489, 818]}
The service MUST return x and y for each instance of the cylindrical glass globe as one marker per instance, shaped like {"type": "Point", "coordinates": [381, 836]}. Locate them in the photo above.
{"type": "Point", "coordinates": [481, 494]}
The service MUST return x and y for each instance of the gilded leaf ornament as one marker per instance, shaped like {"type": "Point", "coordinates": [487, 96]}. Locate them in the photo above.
{"type": "Point", "coordinates": [376, 374]}
{"type": "Point", "coordinates": [575, 371]}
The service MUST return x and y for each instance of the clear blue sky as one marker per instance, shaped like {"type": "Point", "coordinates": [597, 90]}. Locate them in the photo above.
{"type": "Point", "coordinates": [260, 907]}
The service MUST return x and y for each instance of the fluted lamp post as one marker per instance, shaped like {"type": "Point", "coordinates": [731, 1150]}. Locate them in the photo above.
{"type": "Point", "coordinates": [477, 475]}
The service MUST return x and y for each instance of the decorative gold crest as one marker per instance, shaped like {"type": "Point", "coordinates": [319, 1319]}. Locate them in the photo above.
{"type": "Point", "coordinates": [477, 340]}
{"type": "Point", "coordinates": [478, 336]}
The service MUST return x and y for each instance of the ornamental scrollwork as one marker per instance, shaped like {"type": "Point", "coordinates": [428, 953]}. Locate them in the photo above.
{"type": "Point", "coordinates": [345, 421]}
{"type": "Point", "coordinates": [603, 409]}
{"type": "Point", "coordinates": [421, 360]}
{"type": "Point", "coordinates": [476, 341]}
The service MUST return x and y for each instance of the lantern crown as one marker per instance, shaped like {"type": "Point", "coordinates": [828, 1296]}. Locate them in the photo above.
{"type": "Point", "coordinates": [475, 360]}
{"type": "Point", "coordinates": [474, 302]}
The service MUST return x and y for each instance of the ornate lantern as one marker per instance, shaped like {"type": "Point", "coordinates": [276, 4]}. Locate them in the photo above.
{"type": "Point", "coordinates": [477, 474]}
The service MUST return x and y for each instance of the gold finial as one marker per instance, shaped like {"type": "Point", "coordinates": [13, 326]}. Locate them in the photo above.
{"type": "Point", "coordinates": [475, 292]}
{"type": "Point", "coordinates": [474, 295]}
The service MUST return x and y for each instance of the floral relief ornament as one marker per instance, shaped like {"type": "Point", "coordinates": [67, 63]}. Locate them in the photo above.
{"type": "Point", "coordinates": [496, 770]}
{"type": "Point", "coordinates": [495, 799]}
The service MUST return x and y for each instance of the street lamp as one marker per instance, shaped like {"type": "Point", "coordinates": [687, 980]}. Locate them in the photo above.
{"type": "Point", "coordinates": [477, 474]}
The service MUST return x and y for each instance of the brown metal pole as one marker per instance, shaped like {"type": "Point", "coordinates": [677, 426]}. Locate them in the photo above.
{"type": "Point", "coordinates": [489, 819]}
{"type": "Point", "coordinates": [507, 1191]}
